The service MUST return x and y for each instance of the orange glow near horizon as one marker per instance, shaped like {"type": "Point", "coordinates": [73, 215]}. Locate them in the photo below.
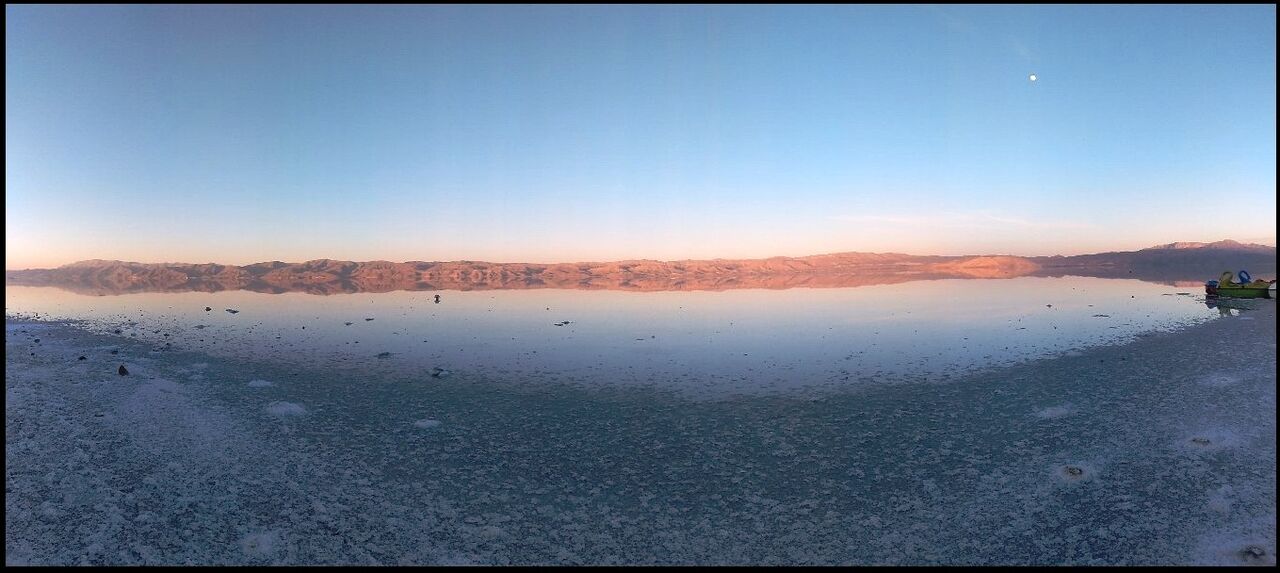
{"type": "Point", "coordinates": [18, 258]}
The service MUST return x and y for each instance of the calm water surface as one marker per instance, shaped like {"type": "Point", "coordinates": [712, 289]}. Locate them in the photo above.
{"type": "Point", "coordinates": [706, 343]}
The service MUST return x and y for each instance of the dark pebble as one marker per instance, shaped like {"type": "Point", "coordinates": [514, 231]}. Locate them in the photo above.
{"type": "Point", "coordinates": [82, 358]}
{"type": "Point", "coordinates": [123, 371]}
{"type": "Point", "coordinates": [1254, 552]}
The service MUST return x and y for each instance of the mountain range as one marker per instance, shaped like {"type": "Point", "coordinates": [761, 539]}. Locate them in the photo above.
{"type": "Point", "coordinates": [1165, 263]}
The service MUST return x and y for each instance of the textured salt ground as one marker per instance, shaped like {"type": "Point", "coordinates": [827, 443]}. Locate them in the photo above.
{"type": "Point", "coordinates": [1172, 438]}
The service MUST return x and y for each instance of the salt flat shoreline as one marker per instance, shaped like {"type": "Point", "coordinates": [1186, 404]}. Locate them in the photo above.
{"type": "Point", "coordinates": [192, 459]}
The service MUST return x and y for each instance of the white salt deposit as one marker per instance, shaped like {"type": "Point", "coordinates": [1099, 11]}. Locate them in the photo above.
{"type": "Point", "coordinates": [1220, 379]}
{"type": "Point", "coordinates": [1221, 500]}
{"type": "Point", "coordinates": [280, 408]}
{"type": "Point", "coordinates": [1054, 412]}
{"type": "Point", "coordinates": [260, 545]}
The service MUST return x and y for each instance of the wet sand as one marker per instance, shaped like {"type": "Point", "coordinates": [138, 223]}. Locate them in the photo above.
{"type": "Point", "coordinates": [1159, 451]}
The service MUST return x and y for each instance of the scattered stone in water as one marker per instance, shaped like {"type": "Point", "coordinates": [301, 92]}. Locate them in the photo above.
{"type": "Point", "coordinates": [348, 323]}
{"type": "Point", "coordinates": [1253, 552]}
{"type": "Point", "coordinates": [116, 331]}
{"type": "Point", "coordinates": [439, 372]}
{"type": "Point", "coordinates": [207, 309]}
{"type": "Point", "coordinates": [232, 310]}
{"type": "Point", "coordinates": [1200, 441]}
{"type": "Point", "coordinates": [1073, 473]}
{"type": "Point", "coordinates": [82, 358]}
{"type": "Point", "coordinates": [437, 299]}
{"type": "Point", "coordinates": [115, 352]}
{"type": "Point", "coordinates": [368, 319]}
{"type": "Point", "coordinates": [123, 371]}
{"type": "Point", "coordinates": [384, 355]}
{"type": "Point", "coordinates": [1102, 316]}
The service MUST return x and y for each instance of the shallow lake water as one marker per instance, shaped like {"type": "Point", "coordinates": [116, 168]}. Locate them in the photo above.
{"type": "Point", "coordinates": [697, 343]}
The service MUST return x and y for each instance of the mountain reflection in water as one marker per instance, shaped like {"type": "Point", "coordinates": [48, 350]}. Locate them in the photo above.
{"type": "Point", "coordinates": [326, 277]}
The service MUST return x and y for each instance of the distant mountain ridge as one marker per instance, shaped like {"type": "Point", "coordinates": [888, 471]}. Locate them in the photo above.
{"type": "Point", "coordinates": [1175, 261]}
{"type": "Point", "coordinates": [1223, 244]}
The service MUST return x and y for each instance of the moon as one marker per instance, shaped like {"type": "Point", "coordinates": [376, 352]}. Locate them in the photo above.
{"type": "Point", "coordinates": [1032, 77]}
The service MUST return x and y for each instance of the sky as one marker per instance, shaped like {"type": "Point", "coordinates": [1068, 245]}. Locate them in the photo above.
{"type": "Point", "coordinates": [238, 134]}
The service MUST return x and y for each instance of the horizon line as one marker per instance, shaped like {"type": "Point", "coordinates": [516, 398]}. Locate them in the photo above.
{"type": "Point", "coordinates": [834, 253]}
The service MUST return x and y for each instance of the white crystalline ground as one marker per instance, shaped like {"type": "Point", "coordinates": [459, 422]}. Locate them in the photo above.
{"type": "Point", "coordinates": [182, 462]}
{"type": "Point", "coordinates": [286, 409]}
{"type": "Point", "coordinates": [1054, 412]}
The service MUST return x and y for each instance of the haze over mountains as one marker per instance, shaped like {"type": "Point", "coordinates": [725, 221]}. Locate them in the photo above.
{"type": "Point", "coordinates": [1168, 263]}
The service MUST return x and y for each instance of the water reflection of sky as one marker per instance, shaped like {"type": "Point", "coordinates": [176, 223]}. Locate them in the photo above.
{"type": "Point", "coordinates": [741, 341]}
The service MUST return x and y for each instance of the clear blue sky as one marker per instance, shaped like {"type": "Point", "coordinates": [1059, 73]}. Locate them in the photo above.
{"type": "Point", "coordinates": [505, 133]}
